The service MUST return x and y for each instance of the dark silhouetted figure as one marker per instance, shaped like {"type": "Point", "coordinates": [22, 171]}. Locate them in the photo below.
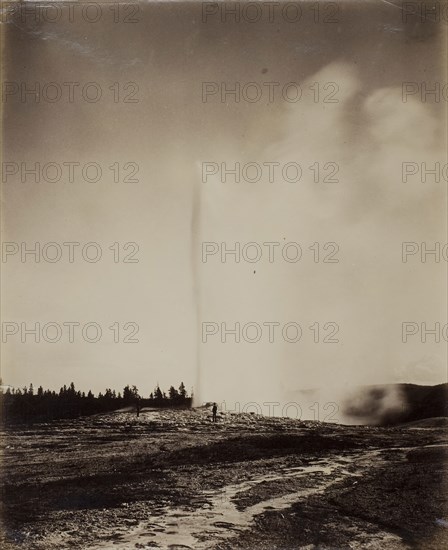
{"type": "Point", "coordinates": [214, 411]}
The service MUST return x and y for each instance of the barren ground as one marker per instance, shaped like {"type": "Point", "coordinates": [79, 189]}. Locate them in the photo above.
{"type": "Point", "coordinates": [172, 479]}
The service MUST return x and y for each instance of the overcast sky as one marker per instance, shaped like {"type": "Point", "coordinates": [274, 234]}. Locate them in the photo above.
{"type": "Point", "coordinates": [367, 54]}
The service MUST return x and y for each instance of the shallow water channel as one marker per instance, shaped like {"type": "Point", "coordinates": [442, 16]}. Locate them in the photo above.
{"type": "Point", "coordinates": [220, 518]}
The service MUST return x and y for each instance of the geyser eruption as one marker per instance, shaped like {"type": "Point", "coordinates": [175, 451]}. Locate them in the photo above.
{"type": "Point", "coordinates": [367, 134]}
{"type": "Point", "coordinates": [195, 246]}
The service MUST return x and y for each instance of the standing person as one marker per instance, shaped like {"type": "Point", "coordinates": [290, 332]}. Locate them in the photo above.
{"type": "Point", "coordinates": [214, 411]}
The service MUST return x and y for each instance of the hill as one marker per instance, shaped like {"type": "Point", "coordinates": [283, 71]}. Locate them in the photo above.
{"type": "Point", "coordinates": [393, 404]}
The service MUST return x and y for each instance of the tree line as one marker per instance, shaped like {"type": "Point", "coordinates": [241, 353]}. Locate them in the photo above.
{"type": "Point", "coordinates": [29, 405]}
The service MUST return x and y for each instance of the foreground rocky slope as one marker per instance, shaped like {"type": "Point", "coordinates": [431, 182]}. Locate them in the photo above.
{"type": "Point", "coordinates": [172, 479]}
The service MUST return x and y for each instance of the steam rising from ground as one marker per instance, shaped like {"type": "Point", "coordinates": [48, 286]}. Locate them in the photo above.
{"type": "Point", "coordinates": [370, 212]}
{"type": "Point", "coordinates": [372, 405]}
{"type": "Point", "coordinates": [170, 292]}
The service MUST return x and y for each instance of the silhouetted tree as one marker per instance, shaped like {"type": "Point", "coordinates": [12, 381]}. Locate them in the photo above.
{"type": "Point", "coordinates": [182, 391]}
{"type": "Point", "coordinates": [173, 393]}
{"type": "Point", "coordinates": [24, 405]}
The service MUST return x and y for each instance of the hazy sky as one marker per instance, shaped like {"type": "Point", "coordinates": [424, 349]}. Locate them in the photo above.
{"type": "Point", "coordinates": [365, 56]}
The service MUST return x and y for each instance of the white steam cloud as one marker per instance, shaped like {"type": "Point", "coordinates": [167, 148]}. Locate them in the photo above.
{"type": "Point", "coordinates": [369, 133]}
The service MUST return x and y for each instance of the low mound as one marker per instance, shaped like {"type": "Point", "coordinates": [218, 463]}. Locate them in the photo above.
{"type": "Point", "coordinates": [437, 422]}
{"type": "Point", "coordinates": [396, 404]}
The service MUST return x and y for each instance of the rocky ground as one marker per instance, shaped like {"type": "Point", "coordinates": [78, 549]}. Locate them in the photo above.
{"type": "Point", "coordinates": [172, 479]}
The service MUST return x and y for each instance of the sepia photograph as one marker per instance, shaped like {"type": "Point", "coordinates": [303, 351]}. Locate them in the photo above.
{"type": "Point", "coordinates": [224, 275]}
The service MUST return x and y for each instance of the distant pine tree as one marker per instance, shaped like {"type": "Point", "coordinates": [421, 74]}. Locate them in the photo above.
{"type": "Point", "coordinates": [182, 391]}
{"type": "Point", "coordinates": [173, 394]}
